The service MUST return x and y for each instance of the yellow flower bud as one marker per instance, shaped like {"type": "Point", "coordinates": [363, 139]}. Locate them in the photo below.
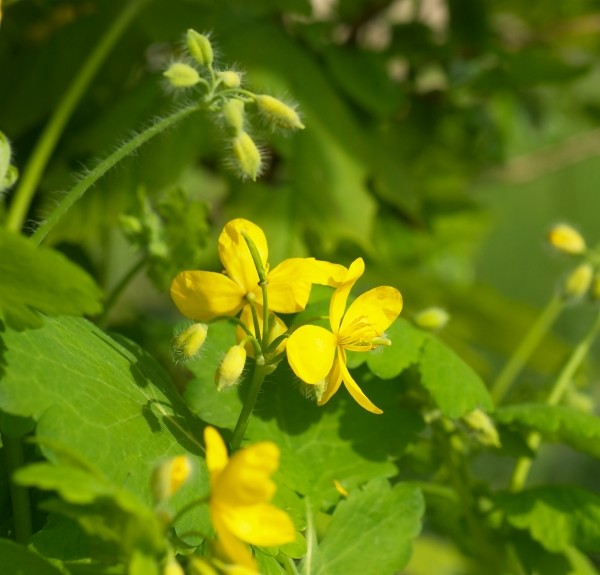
{"type": "Point", "coordinates": [340, 488]}
{"type": "Point", "coordinates": [233, 114]}
{"type": "Point", "coordinates": [566, 239]}
{"type": "Point", "coordinates": [231, 367]}
{"type": "Point", "coordinates": [278, 113]}
{"type": "Point", "coordinates": [483, 426]}
{"type": "Point", "coordinates": [182, 75]}
{"type": "Point", "coordinates": [169, 476]}
{"type": "Point", "coordinates": [173, 568]}
{"type": "Point", "coordinates": [247, 155]}
{"type": "Point", "coordinates": [189, 342]}
{"type": "Point", "coordinates": [433, 318]}
{"type": "Point", "coordinates": [230, 79]}
{"type": "Point", "coordinates": [198, 566]}
{"type": "Point", "coordinates": [200, 47]}
{"type": "Point", "coordinates": [579, 280]}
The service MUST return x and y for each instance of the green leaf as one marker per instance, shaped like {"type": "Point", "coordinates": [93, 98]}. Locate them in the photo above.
{"type": "Point", "coordinates": [107, 402]}
{"type": "Point", "coordinates": [18, 560]}
{"type": "Point", "coordinates": [453, 385]}
{"type": "Point", "coordinates": [556, 423]}
{"type": "Point", "coordinates": [407, 341]}
{"type": "Point", "coordinates": [391, 517]}
{"type": "Point", "coordinates": [41, 279]}
{"type": "Point", "coordinates": [556, 516]}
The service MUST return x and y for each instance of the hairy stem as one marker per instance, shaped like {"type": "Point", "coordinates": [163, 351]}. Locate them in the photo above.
{"type": "Point", "coordinates": [242, 423]}
{"type": "Point", "coordinates": [19, 495]}
{"type": "Point", "coordinates": [523, 465]}
{"type": "Point", "coordinates": [36, 165]}
{"type": "Point", "coordinates": [521, 355]}
{"type": "Point", "coordinates": [96, 173]}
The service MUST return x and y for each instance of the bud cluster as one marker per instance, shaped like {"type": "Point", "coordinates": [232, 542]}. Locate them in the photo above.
{"type": "Point", "coordinates": [223, 95]}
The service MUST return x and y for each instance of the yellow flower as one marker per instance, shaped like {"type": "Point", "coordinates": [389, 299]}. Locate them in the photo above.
{"type": "Point", "coordinates": [318, 356]}
{"type": "Point", "coordinates": [241, 488]}
{"type": "Point", "coordinates": [204, 295]}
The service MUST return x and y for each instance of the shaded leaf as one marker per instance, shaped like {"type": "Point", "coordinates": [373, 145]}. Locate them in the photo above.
{"type": "Point", "coordinates": [18, 560]}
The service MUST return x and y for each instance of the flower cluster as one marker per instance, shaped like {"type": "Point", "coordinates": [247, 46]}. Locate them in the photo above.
{"type": "Point", "coordinates": [252, 294]}
{"type": "Point", "coordinates": [223, 94]}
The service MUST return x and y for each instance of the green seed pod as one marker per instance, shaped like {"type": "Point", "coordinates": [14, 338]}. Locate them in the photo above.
{"type": "Point", "coordinates": [230, 79]}
{"type": "Point", "coordinates": [278, 113]}
{"type": "Point", "coordinates": [181, 75]}
{"type": "Point", "coordinates": [200, 48]}
{"type": "Point", "coordinates": [231, 368]}
{"type": "Point", "coordinates": [233, 115]}
{"type": "Point", "coordinates": [247, 156]}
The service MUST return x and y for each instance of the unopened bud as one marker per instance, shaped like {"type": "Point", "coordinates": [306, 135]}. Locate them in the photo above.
{"type": "Point", "coordinates": [169, 476]}
{"type": "Point", "coordinates": [230, 79]}
{"type": "Point", "coordinates": [198, 566]}
{"type": "Point", "coordinates": [182, 75]}
{"type": "Point", "coordinates": [247, 155]}
{"type": "Point", "coordinates": [433, 318]}
{"type": "Point", "coordinates": [173, 568]}
{"type": "Point", "coordinates": [340, 488]}
{"type": "Point", "coordinates": [231, 368]}
{"type": "Point", "coordinates": [189, 342]}
{"type": "Point", "coordinates": [200, 47]}
{"type": "Point", "coordinates": [278, 113]}
{"type": "Point", "coordinates": [8, 174]}
{"type": "Point", "coordinates": [233, 114]}
{"type": "Point", "coordinates": [483, 426]}
{"type": "Point", "coordinates": [566, 239]}
{"type": "Point", "coordinates": [579, 280]}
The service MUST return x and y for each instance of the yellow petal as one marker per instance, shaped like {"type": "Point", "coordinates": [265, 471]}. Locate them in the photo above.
{"type": "Point", "coordinates": [310, 352]}
{"type": "Point", "coordinates": [234, 550]}
{"type": "Point", "coordinates": [204, 295]}
{"type": "Point", "coordinates": [288, 287]}
{"type": "Point", "coordinates": [380, 307]}
{"type": "Point", "coordinates": [216, 454]}
{"type": "Point", "coordinates": [340, 296]}
{"type": "Point", "coordinates": [334, 378]}
{"type": "Point", "coordinates": [263, 525]}
{"type": "Point", "coordinates": [235, 255]}
{"type": "Point", "coordinates": [247, 478]}
{"type": "Point", "coordinates": [356, 392]}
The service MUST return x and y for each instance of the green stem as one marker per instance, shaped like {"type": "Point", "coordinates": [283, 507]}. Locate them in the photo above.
{"type": "Point", "coordinates": [118, 290]}
{"type": "Point", "coordinates": [36, 165]}
{"type": "Point", "coordinates": [523, 465]}
{"type": "Point", "coordinates": [21, 507]}
{"type": "Point", "coordinates": [260, 371]}
{"type": "Point", "coordinates": [310, 539]}
{"type": "Point", "coordinates": [521, 355]}
{"type": "Point", "coordinates": [187, 508]}
{"type": "Point", "coordinates": [96, 173]}
{"type": "Point", "coordinates": [288, 563]}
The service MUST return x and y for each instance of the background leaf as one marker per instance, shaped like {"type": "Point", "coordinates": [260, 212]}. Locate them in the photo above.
{"type": "Point", "coordinates": [18, 560]}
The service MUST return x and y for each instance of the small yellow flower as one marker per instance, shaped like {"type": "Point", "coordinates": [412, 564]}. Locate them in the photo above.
{"type": "Point", "coordinates": [204, 295]}
{"type": "Point", "coordinates": [566, 239]}
{"type": "Point", "coordinates": [241, 488]}
{"type": "Point", "coordinates": [317, 355]}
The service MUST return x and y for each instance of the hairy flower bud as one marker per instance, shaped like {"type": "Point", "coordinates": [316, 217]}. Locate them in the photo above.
{"type": "Point", "coordinates": [230, 79]}
{"type": "Point", "coordinates": [231, 368]}
{"type": "Point", "coordinates": [278, 113]}
{"type": "Point", "coordinates": [433, 318]}
{"type": "Point", "coordinates": [233, 115]}
{"type": "Point", "coordinates": [247, 155]}
{"type": "Point", "coordinates": [200, 47]}
{"type": "Point", "coordinates": [483, 426]}
{"type": "Point", "coordinates": [181, 75]}
{"type": "Point", "coordinates": [566, 239]}
{"type": "Point", "coordinates": [169, 476]}
{"type": "Point", "coordinates": [189, 342]}
{"type": "Point", "coordinates": [579, 280]}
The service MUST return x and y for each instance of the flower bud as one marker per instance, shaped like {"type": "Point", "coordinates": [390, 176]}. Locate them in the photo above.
{"type": "Point", "coordinates": [579, 280]}
{"type": "Point", "coordinates": [5, 155]}
{"type": "Point", "coordinates": [182, 75]}
{"type": "Point", "coordinates": [595, 290]}
{"type": "Point", "coordinates": [247, 155]}
{"type": "Point", "coordinates": [200, 47]}
{"type": "Point", "coordinates": [432, 318]}
{"type": "Point", "coordinates": [566, 239]}
{"type": "Point", "coordinates": [340, 488]}
{"type": "Point", "coordinates": [483, 426]}
{"type": "Point", "coordinates": [230, 79]}
{"type": "Point", "coordinates": [278, 113]}
{"type": "Point", "coordinates": [189, 342]}
{"type": "Point", "coordinates": [169, 476]}
{"type": "Point", "coordinates": [198, 566]}
{"type": "Point", "coordinates": [233, 114]}
{"type": "Point", "coordinates": [173, 568]}
{"type": "Point", "coordinates": [231, 368]}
